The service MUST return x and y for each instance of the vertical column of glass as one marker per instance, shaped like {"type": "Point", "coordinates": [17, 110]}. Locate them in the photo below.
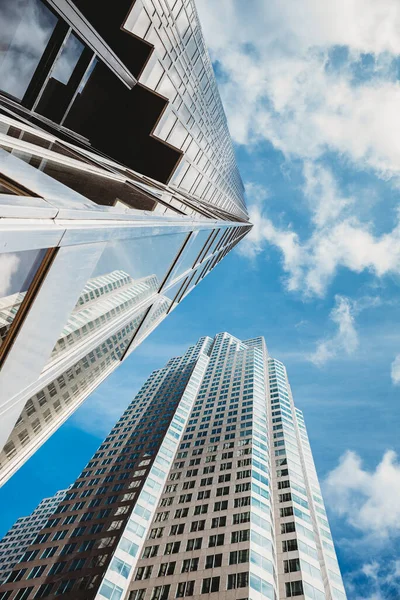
{"type": "Point", "coordinates": [333, 582]}
{"type": "Point", "coordinates": [117, 576]}
{"type": "Point", "coordinates": [263, 578]}
{"type": "Point", "coordinates": [298, 564]}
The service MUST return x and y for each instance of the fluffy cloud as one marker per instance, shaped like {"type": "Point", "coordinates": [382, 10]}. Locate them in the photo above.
{"type": "Point", "coordinates": [395, 370]}
{"type": "Point", "coordinates": [344, 340]}
{"type": "Point", "coordinates": [338, 239]}
{"type": "Point", "coordinates": [282, 85]}
{"type": "Point", "coordinates": [295, 73]}
{"type": "Point", "coordinates": [368, 500]}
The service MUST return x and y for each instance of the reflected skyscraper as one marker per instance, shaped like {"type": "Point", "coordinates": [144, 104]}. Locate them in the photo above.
{"type": "Point", "coordinates": [115, 162]}
{"type": "Point", "coordinates": [206, 485]}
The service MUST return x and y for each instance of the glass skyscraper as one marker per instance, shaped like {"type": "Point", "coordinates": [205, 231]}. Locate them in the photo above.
{"type": "Point", "coordinates": [206, 485]}
{"type": "Point", "coordinates": [119, 193]}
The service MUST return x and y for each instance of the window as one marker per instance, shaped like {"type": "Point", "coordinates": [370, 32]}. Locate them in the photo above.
{"type": "Point", "coordinates": [143, 573]}
{"type": "Point", "coordinates": [166, 569]}
{"type": "Point", "coordinates": [288, 527]}
{"type": "Point", "coordinates": [111, 591]}
{"type": "Point", "coordinates": [290, 566]}
{"type": "Point", "coordinates": [223, 491]}
{"type": "Point", "coordinates": [197, 525]}
{"type": "Point", "coordinates": [210, 585]}
{"type": "Point", "coordinates": [294, 588]}
{"type": "Point", "coordinates": [65, 586]}
{"type": "Point", "coordinates": [59, 535]}
{"type": "Point", "coordinates": [36, 572]}
{"type": "Point", "coordinates": [238, 580]}
{"type": "Point", "coordinates": [77, 564]}
{"type": "Point", "coordinates": [241, 518]}
{"type": "Point", "coordinates": [137, 595]}
{"type": "Point", "coordinates": [177, 529]}
{"type": "Point", "coordinates": [58, 567]}
{"type": "Point", "coordinates": [200, 509]}
{"type": "Point", "coordinates": [287, 497]}
{"type": "Point", "coordinates": [44, 590]}
{"type": "Point", "coordinates": [286, 512]}
{"type": "Point", "coordinates": [245, 501]}
{"type": "Point", "coordinates": [218, 522]}
{"type": "Point", "coordinates": [151, 551]}
{"type": "Point", "coordinates": [289, 545]}
{"type": "Point", "coordinates": [203, 495]}
{"type": "Point", "coordinates": [194, 544]}
{"type": "Point", "coordinates": [21, 57]}
{"type": "Point", "coordinates": [221, 505]}
{"type": "Point", "coordinates": [216, 540]}
{"type": "Point", "coordinates": [185, 588]}
{"type": "Point", "coordinates": [213, 561]}
{"type": "Point", "coordinates": [283, 484]}
{"type": "Point", "coordinates": [46, 553]}
{"type": "Point", "coordinates": [190, 564]}
{"type": "Point", "coordinates": [240, 536]}
{"type": "Point", "coordinates": [172, 548]}
{"type": "Point", "coordinates": [180, 513]}
{"type": "Point", "coordinates": [23, 593]}
{"type": "Point", "coordinates": [238, 556]}
{"type": "Point", "coordinates": [160, 592]}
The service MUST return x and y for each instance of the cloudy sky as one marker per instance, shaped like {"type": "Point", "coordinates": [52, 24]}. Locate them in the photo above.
{"type": "Point", "coordinates": [311, 90]}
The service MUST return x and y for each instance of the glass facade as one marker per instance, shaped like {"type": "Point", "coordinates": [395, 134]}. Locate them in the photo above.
{"type": "Point", "coordinates": [205, 485]}
{"type": "Point", "coordinates": [102, 234]}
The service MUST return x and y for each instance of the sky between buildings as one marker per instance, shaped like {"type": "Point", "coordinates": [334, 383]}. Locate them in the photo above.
{"type": "Point", "coordinates": [312, 95]}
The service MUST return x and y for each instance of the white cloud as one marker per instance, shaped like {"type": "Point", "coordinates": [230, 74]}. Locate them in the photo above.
{"type": "Point", "coordinates": [278, 86]}
{"type": "Point", "coordinates": [256, 193]}
{"type": "Point", "coordinates": [281, 84]}
{"type": "Point", "coordinates": [368, 500]}
{"type": "Point", "coordinates": [395, 370]}
{"type": "Point", "coordinates": [338, 239]}
{"type": "Point", "coordinates": [344, 340]}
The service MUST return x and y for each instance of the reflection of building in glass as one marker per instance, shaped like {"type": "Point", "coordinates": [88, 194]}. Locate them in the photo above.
{"type": "Point", "coordinates": [115, 158]}
{"type": "Point", "coordinates": [103, 299]}
{"type": "Point", "coordinates": [24, 531]}
{"type": "Point", "coordinates": [205, 485]}
{"type": "Point", "coordinates": [9, 306]}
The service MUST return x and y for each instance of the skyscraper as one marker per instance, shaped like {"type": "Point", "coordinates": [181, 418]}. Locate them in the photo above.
{"type": "Point", "coordinates": [115, 160]}
{"type": "Point", "coordinates": [24, 531]}
{"type": "Point", "coordinates": [205, 485]}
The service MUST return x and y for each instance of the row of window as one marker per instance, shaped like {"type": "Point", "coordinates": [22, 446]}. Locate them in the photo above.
{"type": "Point", "coordinates": [208, 585]}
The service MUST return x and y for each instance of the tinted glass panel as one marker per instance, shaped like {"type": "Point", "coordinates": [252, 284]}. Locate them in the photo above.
{"type": "Point", "coordinates": [100, 189]}
{"type": "Point", "coordinates": [67, 60]}
{"type": "Point", "coordinates": [191, 252]}
{"type": "Point", "coordinates": [17, 271]}
{"type": "Point", "coordinates": [25, 29]}
{"type": "Point", "coordinates": [126, 277]}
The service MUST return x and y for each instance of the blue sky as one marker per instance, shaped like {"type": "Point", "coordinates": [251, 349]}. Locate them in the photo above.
{"type": "Point", "coordinates": [312, 96]}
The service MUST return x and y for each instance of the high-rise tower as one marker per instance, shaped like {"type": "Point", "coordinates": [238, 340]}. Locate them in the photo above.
{"type": "Point", "coordinates": [115, 162]}
{"type": "Point", "coordinates": [24, 531]}
{"type": "Point", "coordinates": [205, 485]}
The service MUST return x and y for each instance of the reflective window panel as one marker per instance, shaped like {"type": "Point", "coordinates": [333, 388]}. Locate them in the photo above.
{"type": "Point", "coordinates": [126, 278]}
{"type": "Point", "coordinates": [25, 30]}
{"type": "Point", "coordinates": [17, 270]}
